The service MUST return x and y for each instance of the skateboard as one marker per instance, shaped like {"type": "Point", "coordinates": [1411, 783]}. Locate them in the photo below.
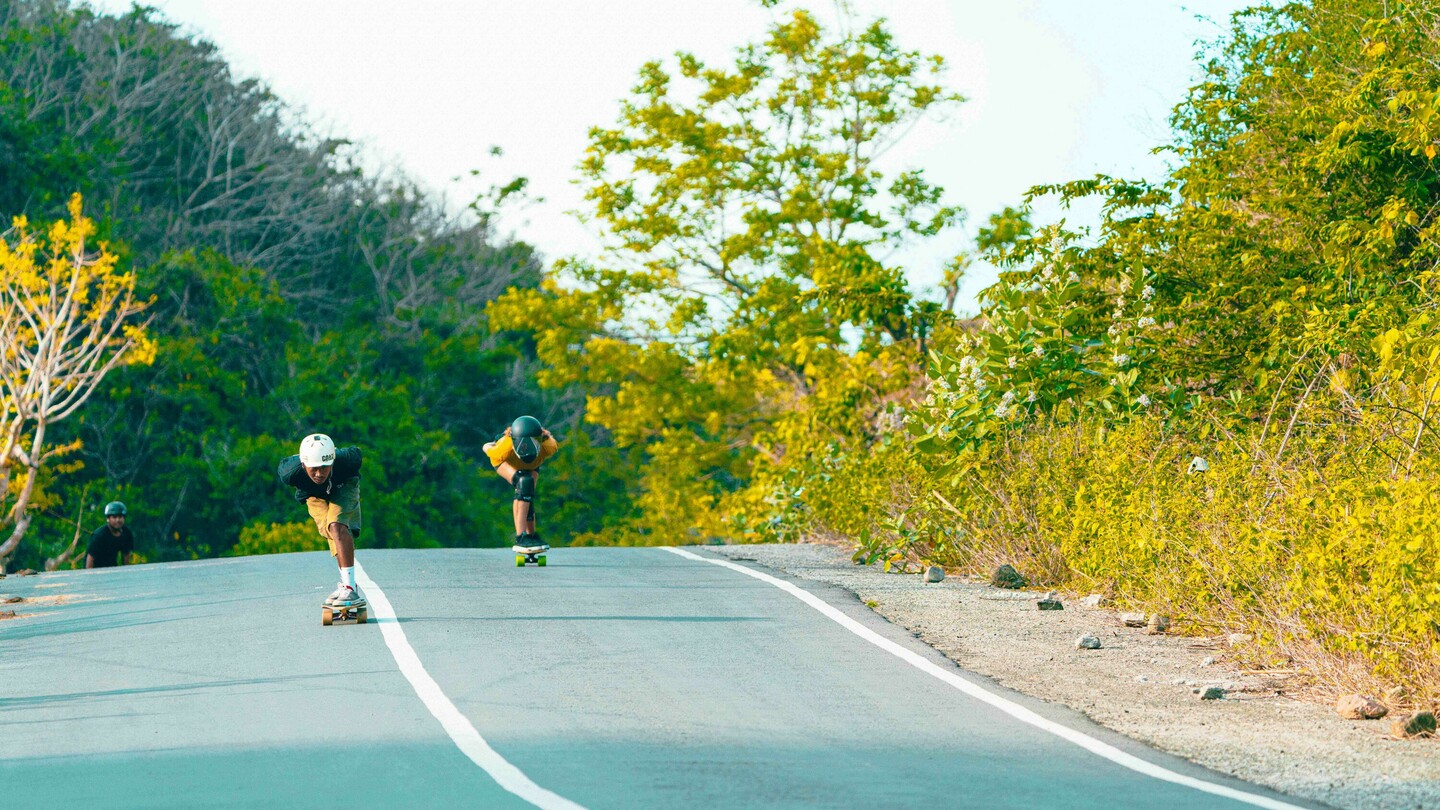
{"type": "Point", "coordinates": [356, 612]}
{"type": "Point", "coordinates": [525, 555]}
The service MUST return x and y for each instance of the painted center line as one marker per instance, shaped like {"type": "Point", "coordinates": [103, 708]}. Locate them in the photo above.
{"type": "Point", "coordinates": [1000, 702]}
{"type": "Point", "coordinates": [461, 731]}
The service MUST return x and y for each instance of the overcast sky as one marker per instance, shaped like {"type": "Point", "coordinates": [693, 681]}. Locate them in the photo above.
{"type": "Point", "coordinates": [1057, 89]}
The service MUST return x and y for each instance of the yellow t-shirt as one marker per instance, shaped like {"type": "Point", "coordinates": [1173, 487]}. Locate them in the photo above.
{"type": "Point", "coordinates": [503, 451]}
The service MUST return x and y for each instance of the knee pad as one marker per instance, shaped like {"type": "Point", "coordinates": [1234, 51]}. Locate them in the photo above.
{"type": "Point", "coordinates": [524, 486]}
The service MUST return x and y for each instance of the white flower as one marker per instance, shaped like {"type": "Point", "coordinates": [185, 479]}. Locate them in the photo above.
{"type": "Point", "coordinates": [1143, 400]}
{"type": "Point", "coordinates": [979, 384]}
{"type": "Point", "coordinates": [1038, 351]}
{"type": "Point", "coordinates": [1146, 321]}
{"type": "Point", "coordinates": [1008, 398]}
{"type": "Point", "coordinates": [1113, 330]}
{"type": "Point", "coordinates": [1011, 361]}
{"type": "Point", "coordinates": [1031, 397]}
{"type": "Point", "coordinates": [1073, 277]}
{"type": "Point", "coordinates": [1121, 359]}
{"type": "Point", "coordinates": [1001, 411]}
{"type": "Point", "coordinates": [1148, 292]}
{"type": "Point", "coordinates": [1120, 303]}
{"type": "Point", "coordinates": [1124, 285]}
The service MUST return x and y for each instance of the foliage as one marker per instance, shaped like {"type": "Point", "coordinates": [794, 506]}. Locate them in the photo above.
{"type": "Point", "coordinates": [741, 313]}
{"type": "Point", "coordinates": [294, 291]}
{"type": "Point", "coordinates": [66, 321]}
{"type": "Point", "coordinates": [1270, 306]}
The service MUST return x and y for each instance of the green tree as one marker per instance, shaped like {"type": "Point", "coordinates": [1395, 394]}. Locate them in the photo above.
{"type": "Point", "coordinates": [743, 303]}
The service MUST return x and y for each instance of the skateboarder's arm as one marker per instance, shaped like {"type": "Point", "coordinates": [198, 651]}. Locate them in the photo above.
{"type": "Point", "coordinates": [89, 560]}
{"type": "Point", "coordinates": [548, 446]}
{"type": "Point", "coordinates": [498, 450]}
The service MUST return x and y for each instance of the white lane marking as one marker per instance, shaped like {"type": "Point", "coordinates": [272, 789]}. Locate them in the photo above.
{"type": "Point", "coordinates": [466, 738]}
{"type": "Point", "coordinates": [1004, 704]}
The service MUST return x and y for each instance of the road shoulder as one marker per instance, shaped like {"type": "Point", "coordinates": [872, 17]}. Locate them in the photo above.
{"type": "Point", "coordinates": [1140, 685]}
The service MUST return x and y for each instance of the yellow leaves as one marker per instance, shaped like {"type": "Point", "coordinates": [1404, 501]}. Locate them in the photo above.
{"type": "Point", "coordinates": [1376, 49]}
{"type": "Point", "coordinates": [1430, 151]}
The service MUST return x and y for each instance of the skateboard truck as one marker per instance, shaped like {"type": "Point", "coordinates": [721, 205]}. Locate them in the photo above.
{"type": "Point", "coordinates": [529, 554]}
{"type": "Point", "coordinates": [356, 611]}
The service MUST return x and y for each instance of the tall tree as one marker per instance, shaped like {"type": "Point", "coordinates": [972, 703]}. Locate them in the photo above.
{"type": "Point", "coordinates": [748, 212]}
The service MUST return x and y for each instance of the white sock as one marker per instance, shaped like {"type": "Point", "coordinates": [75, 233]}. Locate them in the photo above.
{"type": "Point", "coordinates": [347, 576]}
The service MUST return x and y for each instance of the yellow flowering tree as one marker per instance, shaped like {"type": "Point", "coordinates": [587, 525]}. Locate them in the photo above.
{"type": "Point", "coordinates": [67, 317]}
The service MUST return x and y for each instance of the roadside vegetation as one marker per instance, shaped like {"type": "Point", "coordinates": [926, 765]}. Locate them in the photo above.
{"type": "Point", "coordinates": [1217, 403]}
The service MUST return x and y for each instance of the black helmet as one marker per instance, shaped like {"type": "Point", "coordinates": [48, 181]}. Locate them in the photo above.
{"type": "Point", "coordinates": [114, 508]}
{"type": "Point", "coordinates": [525, 436]}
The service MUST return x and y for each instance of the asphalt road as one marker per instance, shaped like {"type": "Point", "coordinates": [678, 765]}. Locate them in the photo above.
{"type": "Point", "coordinates": [614, 678]}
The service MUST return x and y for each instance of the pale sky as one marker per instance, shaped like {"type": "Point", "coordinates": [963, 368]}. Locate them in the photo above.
{"type": "Point", "coordinates": [1058, 89]}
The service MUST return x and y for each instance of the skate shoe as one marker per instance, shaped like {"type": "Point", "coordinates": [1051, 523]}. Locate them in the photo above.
{"type": "Point", "coordinates": [345, 596]}
{"type": "Point", "coordinates": [529, 544]}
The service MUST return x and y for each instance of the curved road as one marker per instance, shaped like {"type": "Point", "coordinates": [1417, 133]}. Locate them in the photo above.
{"type": "Point", "coordinates": [614, 678]}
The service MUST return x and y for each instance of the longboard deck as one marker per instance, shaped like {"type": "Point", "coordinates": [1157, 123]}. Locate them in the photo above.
{"type": "Point", "coordinates": [529, 555]}
{"type": "Point", "coordinates": [359, 613]}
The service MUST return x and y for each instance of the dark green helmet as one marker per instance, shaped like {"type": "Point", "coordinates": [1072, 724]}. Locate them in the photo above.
{"type": "Point", "coordinates": [525, 437]}
{"type": "Point", "coordinates": [114, 508]}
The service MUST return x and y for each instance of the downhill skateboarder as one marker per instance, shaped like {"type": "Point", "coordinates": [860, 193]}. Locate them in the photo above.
{"type": "Point", "coordinates": [327, 481]}
{"type": "Point", "coordinates": [112, 543]}
{"type": "Point", "coordinates": [516, 457]}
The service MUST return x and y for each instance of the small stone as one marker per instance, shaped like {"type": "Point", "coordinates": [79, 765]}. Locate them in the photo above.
{"type": "Point", "coordinates": [1236, 639]}
{"type": "Point", "coordinates": [934, 573]}
{"type": "Point", "coordinates": [1087, 643]}
{"type": "Point", "coordinates": [1419, 724]}
{"type": "Point", "coordinates": [7, 614]}
{"type": "Point", "coordinates": [1213, 693]}
{"type": "Point", "coordinates": [1157, 625]}
{"type": "Point", "coordinates": [1142, 678]}
{"type": "Point", "coordinates": [1359, 707]}
{"type": "Point", "coordinates": [1132, 619]}
{"type": "Point", "coordinates": [25, 572]}
{"type": "Point", "coordinates": [1179, 681]}
{"type": "Point", "coordinates": [1397, 696]}
{"type": "Point", "coordinates": [1207, 661]}
{"type": "Point", "coordinates": [1095, 600]}
{"type": "Point", "coordinates": [1007, 577]}
{"type": "Point", "coordinates": [1049, 604]}
{"type": "Point", "coordinates": [5, 600]}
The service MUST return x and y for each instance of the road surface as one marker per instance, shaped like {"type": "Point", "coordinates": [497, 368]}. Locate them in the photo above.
{"type": "Point", "coordinates": [613, 678]}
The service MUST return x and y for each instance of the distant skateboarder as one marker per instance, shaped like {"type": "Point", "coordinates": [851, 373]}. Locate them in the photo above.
{"type": "Point", "coordinates": [516, 457]}
{"type": "Point", "coordinates": [111, 542]}
{"type": "Point", "coordinates": [327, 481]}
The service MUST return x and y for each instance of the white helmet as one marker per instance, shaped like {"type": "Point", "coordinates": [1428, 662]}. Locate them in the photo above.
{"type": "Point", "coordinates": [317, 451]}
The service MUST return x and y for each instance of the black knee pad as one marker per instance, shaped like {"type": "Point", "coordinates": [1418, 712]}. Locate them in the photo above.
{"type": "Point", "coordinates": [524, 483]}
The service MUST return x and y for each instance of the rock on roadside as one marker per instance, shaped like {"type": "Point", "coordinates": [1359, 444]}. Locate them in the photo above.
{"type": "Point", "coordinates": [1087, 643]}
{"type": "Point", "coordinates": [1419, 724]}
{"type": "Point", "coordinates": [1359, 707]}
{"type": "Point", "coordinates": [1007, 577]}
{"type": "Point", "coordinates": [934, 573]}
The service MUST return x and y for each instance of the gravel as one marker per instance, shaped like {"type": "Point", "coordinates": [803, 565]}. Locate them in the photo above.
{"type": "Point", "coordinates": [1143, 686]}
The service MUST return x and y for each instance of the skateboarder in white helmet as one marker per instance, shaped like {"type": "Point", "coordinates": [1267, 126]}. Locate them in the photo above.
{"type": "Point", "coordinates": [327, 481]}
{"type": "Point", "coordinates": [516, 457]}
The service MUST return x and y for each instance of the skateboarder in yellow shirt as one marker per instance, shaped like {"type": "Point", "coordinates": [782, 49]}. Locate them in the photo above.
{"type": "Point", "coordinates": [516, 457]}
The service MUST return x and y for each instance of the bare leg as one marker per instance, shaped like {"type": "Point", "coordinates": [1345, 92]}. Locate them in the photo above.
{"type": "Point", "coordinates": [344, 545]}
{"type": "Point", "coordinates": [518, 510]}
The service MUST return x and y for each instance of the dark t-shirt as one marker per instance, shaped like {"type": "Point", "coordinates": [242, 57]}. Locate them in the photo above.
{"type": "Point", "coordinates": [345, 470]}
{"type": "Point", "coordinates": [106, 547]}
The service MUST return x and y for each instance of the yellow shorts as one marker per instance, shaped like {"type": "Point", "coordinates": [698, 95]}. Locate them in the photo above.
{"type": "Point", "coordinates": [324, 513]}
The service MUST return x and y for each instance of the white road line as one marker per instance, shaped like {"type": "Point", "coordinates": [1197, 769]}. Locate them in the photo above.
{"type": "Point", "coordinates": [466, 738]}
{"type": "Point", "coordinates": [1006, 705]}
